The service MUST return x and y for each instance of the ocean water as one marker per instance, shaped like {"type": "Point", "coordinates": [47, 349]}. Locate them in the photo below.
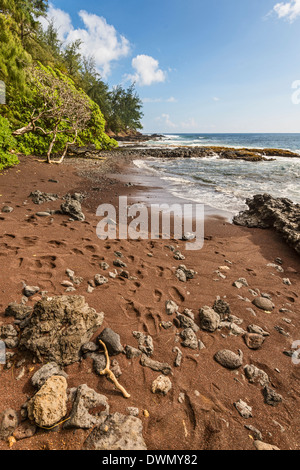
{"type": "Point", "coordinates": [226, 184]}
{"type": "Point", "coordinates": [278, 141]}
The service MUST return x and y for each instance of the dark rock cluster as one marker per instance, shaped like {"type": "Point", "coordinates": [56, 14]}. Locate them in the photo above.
{"type": "Point", "coordinates": [281, 214]}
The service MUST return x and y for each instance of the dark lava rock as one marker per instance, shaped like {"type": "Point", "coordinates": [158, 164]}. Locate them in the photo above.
{"type": "Point", "coordinates": [111, 341]}
{"type": "Point", "coordinates": [7, 209]}
{"type": "Point", "coordinates": [44, 373]}
{"type": "Point", "coordinates": [209, 319]}
{"type": "Point", "coordinates": [264, 304]}
{"type": "Point", "coordinates": [155, 365]}
{"type": "Point", "coordinates": [145, 343]}
{"type": "Point", "coordinates": [272, 398]}
{"type": "Point", "coordinates": [229, 359]}
{"type": "Point", "coordinates": [190, 339]}
{"type": "Point", "coordinates": [39, 197]}
{"type": "Point", "coordinates": [254, 341]}
{"type": "Point", "coordinates": [18, 311]}
{"type": "Point", "coordinates": [9, 335]}
{"type": "Point", "coordinates": [132, 352]}
{"type": "Point", "coordinates": [72, 207]}
{"type": "Point", "coordinates": [266, 211]}
{"type": "Point", "coordinates": [222, 308]}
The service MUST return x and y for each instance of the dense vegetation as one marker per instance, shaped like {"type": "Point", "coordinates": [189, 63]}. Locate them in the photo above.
{"type": "Point", "coordinates": [54, 96]}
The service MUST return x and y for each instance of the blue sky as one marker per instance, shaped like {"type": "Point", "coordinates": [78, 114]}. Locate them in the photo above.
{"type": "Point", "coordinates": [202, 66]}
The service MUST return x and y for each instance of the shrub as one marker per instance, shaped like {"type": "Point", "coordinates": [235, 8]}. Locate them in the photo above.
{"type": "Point", "coordinates": [7, 143]}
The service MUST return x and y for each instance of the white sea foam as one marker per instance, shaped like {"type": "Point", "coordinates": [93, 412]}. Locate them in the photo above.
{"type": "Point", "coordinates": [225, 184]}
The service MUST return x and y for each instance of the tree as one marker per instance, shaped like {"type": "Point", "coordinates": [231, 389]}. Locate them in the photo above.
{"type": "Point", "coordinates": [59, 109]}
{"type": "Point", "coordinates": [126, 110]}
{"type": "Point", "coordinates": [25, 14]}
{"type": "Point", "coordinates": [132, 109]}
{"type": "Point", "coordinates": [51, 40]}
{"type": "Point", "coordinates": [72, 58]}
{"type": "Point", "coordinates": [94, 87]}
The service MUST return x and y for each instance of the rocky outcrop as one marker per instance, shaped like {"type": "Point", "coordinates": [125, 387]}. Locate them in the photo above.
{"type": "Point", "coordinates": [118, 432]}
{"type": "Point", "coordinates": [87, 399]}
{"type": "Point", "coordinates": [250, 155]}
{"type": "Point", "coordinates": [59, 327]}
{"type": "Point", "coordinates": [39, 197]}
{"type": "Point", "coordinates": [72, 207]}
{"type": "Point", "coordinates": [281, 214]}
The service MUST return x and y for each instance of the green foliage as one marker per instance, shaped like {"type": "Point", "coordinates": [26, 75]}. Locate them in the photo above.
{"type": "Point", "coordinates": [24, 14]}
{"type": "Point", "coordinates": [7, 160]}
{"type": "Point", "coordinates": [24, 47]}
{"type": "Point", "coordinates": [126, 106]}
{"type": "Point", "coordinates": [7, 143]}
{"type": "Point", "coordinates": [37, 139]}
{"type": "Point", "coordinates": [13, 57]}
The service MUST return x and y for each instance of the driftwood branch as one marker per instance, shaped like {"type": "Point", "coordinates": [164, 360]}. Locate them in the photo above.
{"type": "Point", "coordinates": [110, 374]}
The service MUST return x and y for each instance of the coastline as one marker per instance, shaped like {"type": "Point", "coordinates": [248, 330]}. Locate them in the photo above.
{"type": "Point", "coordinates": [39, 250]}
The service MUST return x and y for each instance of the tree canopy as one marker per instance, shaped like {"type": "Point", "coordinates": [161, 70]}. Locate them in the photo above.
{"type": "Point", "coordinates": [54, 95]}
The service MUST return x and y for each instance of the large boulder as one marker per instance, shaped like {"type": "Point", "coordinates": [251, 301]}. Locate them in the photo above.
{"type": "Point", "coordinates": [266, 211]}
{"type": "Point", "coordinates": [72, 207]}
{"type": "Point", "coordinates": [118, 432]}
{"type": "Point", "coordinates": [58, 327]}
{"type": "Point", "coordinates": [49, 405]}
{"type": "Point", "coordinates": [209, 319]}
{"type": "Point", "coordinates": [87, 399]}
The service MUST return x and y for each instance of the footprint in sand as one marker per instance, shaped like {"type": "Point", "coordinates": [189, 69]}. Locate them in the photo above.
{"type": "Point", "coordinates": [157, 295]}
{"type": "Point", "coordinates": [152, 322]}
{"type": "Point", "coordinates": [91, 248]}
{"type": "Point", "coordinates": [9, 235]}
{"type": "Point", "coordinates": [140, 274]}
{"type": "Point", "coordinates": [5, 246]}
{"type": "Point", "coordinates": [131, 310]}
{"type": "Point", "coordinates": [176, 294]}
{"type": "Point", "coordinates": [57, 243]}
{"type": "Point", "coordinates": [49, 261]}
{"type": "Point", "coordinates": [77, 252]}
{"type": "Point", "coordinates": [96, 259]}
{"type": "Point", "coordinates": [30, 241]}
{"type": "Point", "coordinates": [166, 273]}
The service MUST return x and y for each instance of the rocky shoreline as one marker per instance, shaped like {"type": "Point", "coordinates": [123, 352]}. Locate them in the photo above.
{"type": "Point", "coordinates": [266, 212]}
{"type": "Point", "coordinates": [252, 155]}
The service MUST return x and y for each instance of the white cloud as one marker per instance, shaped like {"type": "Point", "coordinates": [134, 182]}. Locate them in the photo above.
{"type": "Point", "coordinates": [190, 124]}
{"type": "Point", "coordinates": [288, 10]}
{"type": "Point", "coordinates": [99, 39]}
{"type": "Point", "coordinates": [215, 98]}
{"type": "Point", "coordinates": [160, 100]}
{"type": "Point", "coordinates": [61, 20]}
{"type": "Point", "coordinates": [147, 71]}
{"type": "Point", "coordinates": [165, 119]}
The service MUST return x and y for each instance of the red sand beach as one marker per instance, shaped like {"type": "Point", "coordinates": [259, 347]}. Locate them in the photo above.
{"type": "Point", "coordinates": [198, 413]}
